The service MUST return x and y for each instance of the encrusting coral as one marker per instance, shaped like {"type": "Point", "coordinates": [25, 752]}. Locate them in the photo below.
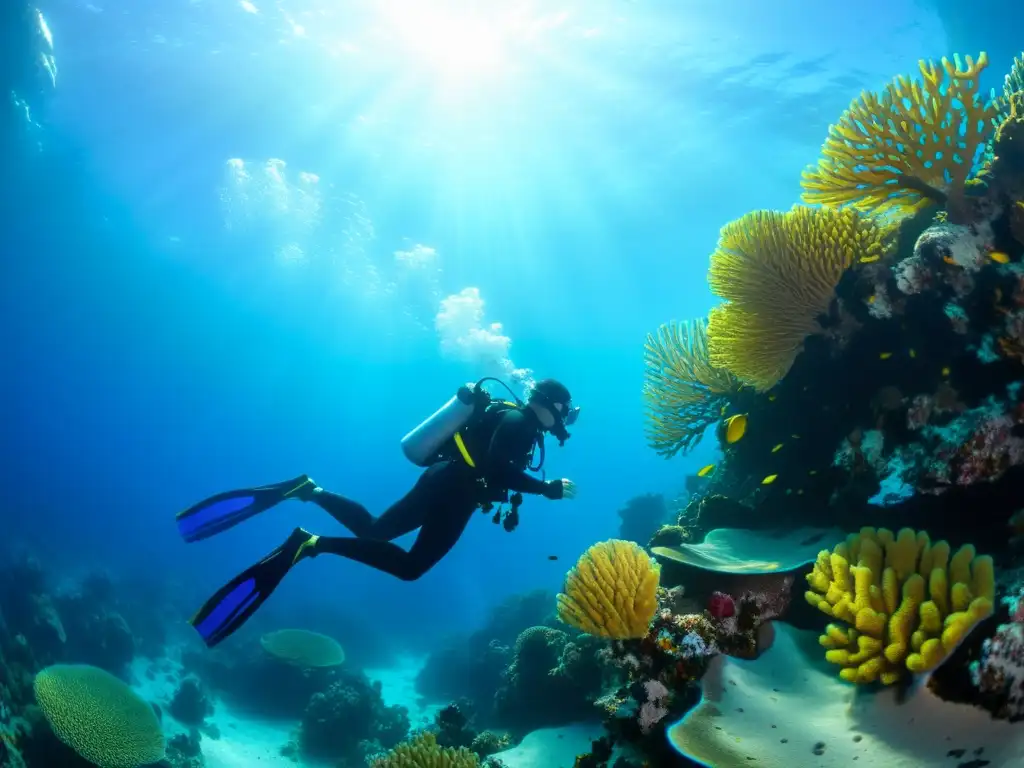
{"type": "Point", "coordinates": [907, 604]}
{"type": "Point", "coordinates": [910, 146]}
{"type": "Point", "coordinates": [683, 392]}
{"type": "Point", "coordinates": [777, 273]}
{"type": "Point", "coordinates": [611, 591]}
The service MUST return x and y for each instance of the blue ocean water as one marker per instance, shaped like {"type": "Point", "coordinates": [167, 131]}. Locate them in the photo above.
{"type": "Point", "coordinates": [246, 240]}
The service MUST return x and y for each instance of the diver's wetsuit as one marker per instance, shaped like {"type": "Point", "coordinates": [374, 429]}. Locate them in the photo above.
{"type": "Point", "coordinates": [440, 504]}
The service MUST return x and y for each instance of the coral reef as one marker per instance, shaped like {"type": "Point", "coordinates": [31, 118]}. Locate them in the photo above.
{"type": "Point", "coordinates": [642, 517]}
{"type": "Point", "coordinates": [553, 680]}
{"type": "Point", "coordinates": [472, 668]}
{"type": "Point", "coordinates": [190, 704]}
{"type": "Point", "coordinates": [349, 721]}
{"type": "Point", "coordinates": [610, 592]}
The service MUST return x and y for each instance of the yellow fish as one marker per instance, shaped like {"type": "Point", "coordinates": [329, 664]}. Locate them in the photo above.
{"type": "Point", "coordinates": [913, 353]}
{"type": "Point", "coordinates": [945, 371]}
{"type": "Point", "coordinates": [705, 471]}
{"type": "Point", "coordinates": [769, 480]}
{"type": "Point", "coordinates": [735, 428]}
{"type": "Point", "coordinates": [949, 260]}
{"type": "Point", "coordinates": [777, 448]}
{"type": "Point", "coordinates": [885, 356]}
{"type": "Point", "coordinates": [869, 259]}
{"type": "Point", "coordinates": [999, 257]}
{"type": "Point", "coordinates": [871, 299]}
{"type": "Point", "coordinates": [771, 398]}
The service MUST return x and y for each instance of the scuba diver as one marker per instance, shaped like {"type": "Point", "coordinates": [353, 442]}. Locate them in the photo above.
{"type": "Point", "coordinates": [476, 450]}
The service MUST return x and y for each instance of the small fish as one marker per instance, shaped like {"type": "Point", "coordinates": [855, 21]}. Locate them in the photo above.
{"type": "Point", "coordinates": [885, 356]}
{"type": "Point", "coordinates": [795, 437]}
{"type": "Point", "coordinates": [945, 371]}
{"type": "Point", "coordinates": [777, 448]}
{"type": "Point", "coordinates": [999, 257]}
{"type": "Point", "coordinates": [872, 298]}
{"type": "Point", "coordinates": [998, 296]}
{"type": "Point", "coordinates": [552, 557]}
{"type": "Point", "coordinates": [913, 353]}
{"type": "Point", "coordinates": [813, 472]}
{"type": "Point", "coordinates": [722, 412]}
{"type": "Point", "coordinates": [870, 259]}
{"type": "Point", "coordinates": [771, 398]}
{"type": "Point", "coordinates": [949, 260]}
{"type": "Point", "coordinates": [800, 492]}
{"type": "Point", "coordinates": [769, 480]}
{"type": "Point", "coordinates": [735, 428]}
{"type": "Point", "coordinates": [705, 471]}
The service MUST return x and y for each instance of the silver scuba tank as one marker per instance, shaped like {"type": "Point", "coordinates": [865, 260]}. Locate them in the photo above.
{"type": "Point", "coordinates": [423, 442]}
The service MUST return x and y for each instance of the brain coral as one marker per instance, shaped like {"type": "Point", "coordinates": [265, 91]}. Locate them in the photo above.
{"type": "Point", "coordinates": [99, 716]}
{"type": "Point", "coordinates": [303, 648]}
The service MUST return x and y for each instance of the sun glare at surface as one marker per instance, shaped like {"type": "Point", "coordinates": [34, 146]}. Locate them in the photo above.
{"type": "Point", "coordinates": [454, 46]}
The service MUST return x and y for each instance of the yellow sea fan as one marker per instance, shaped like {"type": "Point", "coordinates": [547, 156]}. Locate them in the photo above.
{"type": "Point", "coordinates": [904, 603]}
{"type": "Point", "coordinates": [777, 273]}
{"type": "Point", "coordinates": [683, 392]}
{"type": "Point", "coordinates": [611, 591]}
{"type": "Point", "coordinates": [910, 145]}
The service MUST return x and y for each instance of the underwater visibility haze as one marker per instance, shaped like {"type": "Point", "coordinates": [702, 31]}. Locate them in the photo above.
{"type": "Point", "coordinates": [654, 315]}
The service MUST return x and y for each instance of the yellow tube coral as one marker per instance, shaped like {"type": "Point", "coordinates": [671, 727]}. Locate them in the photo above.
{"type": "Point", "coordinates": [904, 602]}
{"type": "Point", "coordinates": [611, 591]}
{"type": "Point", "coordinates": [423, 751]}
{"type": "Point", "coordinates": [777, 273]}
{"type": "Point", "coordinates": [683, 392]}
{"type": "Point", "coordinates": [910, 145]}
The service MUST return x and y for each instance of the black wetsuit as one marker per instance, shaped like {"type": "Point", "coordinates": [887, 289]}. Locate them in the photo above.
{"type": "Point", "coordinates": [442, 501]}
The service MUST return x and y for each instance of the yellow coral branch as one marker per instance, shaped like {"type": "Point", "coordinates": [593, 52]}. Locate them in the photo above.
{"type": "Point", "coordinates": [910, 145]}
{"type": "Point", "coordinates": [905, 604]}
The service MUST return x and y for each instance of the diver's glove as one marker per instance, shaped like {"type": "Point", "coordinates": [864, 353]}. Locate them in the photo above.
{"type": "Point", "coordinates": [562, 488]}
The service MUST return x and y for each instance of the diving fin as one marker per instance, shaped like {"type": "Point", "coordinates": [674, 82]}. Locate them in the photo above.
{"type": "Point", "coordinates": [226, 510]}
{"type": "Point", "coordinates": [239, 599]}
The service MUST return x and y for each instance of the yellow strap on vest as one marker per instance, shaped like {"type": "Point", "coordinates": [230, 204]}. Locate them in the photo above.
{"type": "Point", "coordinates": [462, 449]}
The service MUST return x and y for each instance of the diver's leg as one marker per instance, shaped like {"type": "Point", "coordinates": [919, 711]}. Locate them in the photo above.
{"type": "Point", "coordinates": [404, 516]}
{"type": "Point", "coordinates": [444, 521]}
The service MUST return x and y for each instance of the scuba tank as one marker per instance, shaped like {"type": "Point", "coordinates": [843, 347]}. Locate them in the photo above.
{"type": "Point", "coordinates": [422, 443]}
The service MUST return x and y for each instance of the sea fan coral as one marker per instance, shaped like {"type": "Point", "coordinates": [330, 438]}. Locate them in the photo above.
{"type": "Point", "coordinates": [777, 273]}
{"type": "Point", "coordinates": [611, 591]}
{"type": "Point", "coordinates": [907, 604]}
{"type": "Point", "coordinates": [909, 146]}
{"type": "Point", "coordinates": [683, 392]}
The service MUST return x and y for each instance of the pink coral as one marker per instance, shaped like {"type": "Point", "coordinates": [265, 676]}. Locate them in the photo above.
{"type": "Point", "coordinates": [721, 606]}
{"type": "Point", "coordinates": [990, 451]}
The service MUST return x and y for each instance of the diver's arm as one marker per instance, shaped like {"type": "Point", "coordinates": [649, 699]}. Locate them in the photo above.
{"type": "Point", "coordinates": [512, 440]}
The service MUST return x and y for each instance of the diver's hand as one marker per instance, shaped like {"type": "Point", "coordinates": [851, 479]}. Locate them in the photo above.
{"type": "Point", "coordinates": [561, 489]}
